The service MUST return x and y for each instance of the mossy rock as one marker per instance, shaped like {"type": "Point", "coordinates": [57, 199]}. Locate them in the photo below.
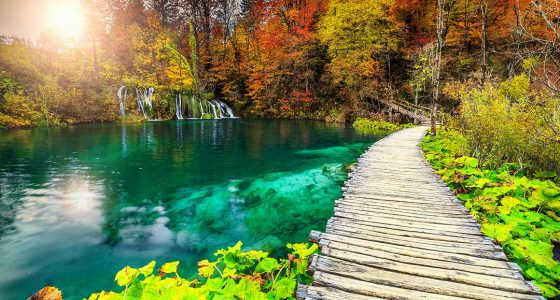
{"type": "Point", "coordinates": [349, 167]}
{"type": "Point", "coordinates": [207, 117]}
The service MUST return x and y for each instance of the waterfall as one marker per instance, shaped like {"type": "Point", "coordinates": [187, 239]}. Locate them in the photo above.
{"type": "Point", "coordinates": [221, 108]}
{"type": "Point", "coordinates": [148, 96]}
{"type": "Point", "coordinates": [178, 106]}
{"type": "Point", "coordinates": [121, 94]}
{"type": "Point", "coordinates": [227, 108]}
{"type": "Point", "coordinates": [201, 109]}
{"type": "Point", "coordinates": [140, 102]}
{"type": "Point", "coordinates": [213, 109]}
{"type": "Point", "coordinates": [192, 109]}
{"type": "Point", "coordinates": [195, 108]}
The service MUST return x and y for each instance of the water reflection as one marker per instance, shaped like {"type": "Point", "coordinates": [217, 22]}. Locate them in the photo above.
{"type": "Point", "coordinates": [77, 204]}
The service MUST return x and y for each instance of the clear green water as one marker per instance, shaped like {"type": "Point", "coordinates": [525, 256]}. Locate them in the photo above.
{"type": "Point", "coordinates": [78, 204]}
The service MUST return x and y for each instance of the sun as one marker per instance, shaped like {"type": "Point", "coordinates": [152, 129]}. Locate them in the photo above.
{"type": "Point", "coordinates": [66, 20]}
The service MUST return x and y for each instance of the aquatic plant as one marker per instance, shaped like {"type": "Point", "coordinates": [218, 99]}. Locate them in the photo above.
{"type": "Point", "coordinates": [520, 213]}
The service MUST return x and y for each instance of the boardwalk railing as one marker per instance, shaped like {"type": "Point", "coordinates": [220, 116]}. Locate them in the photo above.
{"type": "Point", "coordinates": [421, 114]}
{"type": "Point", "coordinates": [400, 233]}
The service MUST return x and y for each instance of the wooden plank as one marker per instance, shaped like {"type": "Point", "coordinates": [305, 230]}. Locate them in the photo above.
{"type": "Point", "coordinates": [406, 281]}
{"type": "Point", "coordinates": [325, 238]}
{"type": "Point", "coordinates": [455, 220]}
{"type": "Point", "coordinates": [366, 192]}
{"type": "Point", "coordinates": [432, 224]}
{"type": "Point", "coordinates": [379, 235]}
{"type": "Point", "coordinates": [364, 288]}
{"type": "Point", "coordinates": [328, 248]}
{"type": "Point", "coordinates": [480, 252]}
{"type": "Point", "coordinates": [328, 293]}
{"type": "Point", "coordinates": [400, 206]}
{"type": "Point", "coordinates": [441, 272]}
{"type": "Point", "coordinates": [383, 206]}
{"type": "Point", "coordinates": [411, 236]}
{"type": "Point", "coordinates": [433, 200]}
{"type": "Point", "coordinates": [420, 226]}
{"type": "Point", "coordinates": [431, 207]}
{"type": "Point", "coordinates": [416, 232]}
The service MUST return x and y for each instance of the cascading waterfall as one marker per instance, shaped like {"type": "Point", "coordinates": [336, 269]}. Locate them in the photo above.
{"type": "Point", "coordinates": [179, 106]}
{"type": "Point", "coordinates": [214, 110]}
{"type": "Point", "coordinates": [217, 109]}
{"type": "Point", "coordinates": [195, 109]}
{"type": "Point", "coordinates": [144, 99]}
{"type": "Point", "coordinates": [121, 94]}
{"type": "Point", "coordinates": [201, 109]}
{"type": "Point", "coordinates": [227, 108]}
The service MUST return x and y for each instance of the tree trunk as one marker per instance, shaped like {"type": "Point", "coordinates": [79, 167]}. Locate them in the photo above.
{"type": "Point", "coordinates": [483, 31]}
{"type": "Point", "coordinates": [436, 74]}
{"type": "Point", "coordinates": [95, 64]}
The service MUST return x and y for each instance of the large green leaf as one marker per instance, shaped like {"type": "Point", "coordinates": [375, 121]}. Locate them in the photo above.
{"type": "Point", "coordinates": [535, 251]}
{"type": "Point", "coordinates": [500, 232]}
{"type": "Point", "coordinates": [148, 269]}
{"type": "Point", "coordinates": [125, 276]}
{"type": "Point", "coordinates": [267, 265]}
{"type": "Point", "coordinates": [507, 204]}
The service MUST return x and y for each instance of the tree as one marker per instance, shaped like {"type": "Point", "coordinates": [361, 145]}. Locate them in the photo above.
{"type": "Point", "coordinates": [361, 37]}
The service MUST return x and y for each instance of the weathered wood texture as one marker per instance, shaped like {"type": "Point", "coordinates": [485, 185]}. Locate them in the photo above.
{"type": "Point", "coordinates": [400, 233]}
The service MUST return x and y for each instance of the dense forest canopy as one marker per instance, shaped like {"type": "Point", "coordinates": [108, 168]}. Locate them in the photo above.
{"type": "Point", "coordinates": [319, 59]}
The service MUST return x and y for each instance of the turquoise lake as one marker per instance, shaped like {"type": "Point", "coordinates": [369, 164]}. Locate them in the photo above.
{"type": "Point", "coordinates": [78, 204]}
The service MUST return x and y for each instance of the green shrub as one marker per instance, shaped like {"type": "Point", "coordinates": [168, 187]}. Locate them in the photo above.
{"type": "Point", "coordinates": [235, 274]}
{"type": "Point", "coordinates": [375, 126]}
{"type": "Point", "coordinates": [510, 122]}
{"type": "Point", "coordinates": [11, 122]}
{"type": "Point", "coordinates": [206, 116]}
{"type": "Point", "coordinates": [132, 119]}
{"type": "Point", "coordinates": [522, 214]}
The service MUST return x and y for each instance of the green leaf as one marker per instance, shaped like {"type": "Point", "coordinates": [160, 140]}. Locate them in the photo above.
{"type": "Point", "coordinates": [214, 284]}
{"type": "Point", "coordinates": [303, 250]}
{"type": "Point", "coordinates": [545, 175]}
{"type": "Point", "coordinates": [148, 269]}
{"type": "Point", "coordinates": [170, 267]}
{"type": "Point", "coordinates": [229, 272]}
{"type": "Point", "coordinates": [284, 288]}
{"type": "Point", "coordinates": [534, 274]}
{"type": "Point", "coordinates": [508, 203]}
{"type": "Point", "coordinates": [541, 234]}
{"type": "Point", "coordinates": [482, 182]}
{"type": "Point", "coordinates": [468, 162]}
{"type": "Point", "coordinates": [206, 268]}
{"type": "Point", "coordinates": [548, 290]}
{"type": "Point", "coordinates": [135, 291]}
{"type": "Point", "coordinates": [521, 229]}
{"type": "Point", "coordinates": [267, 265]}
{"type": "Point", "coordinates": [535, 251]}
{"type": "Point", "coordinates": [500, 232]}
{"type": "Point", "coordinates": [125, 276]}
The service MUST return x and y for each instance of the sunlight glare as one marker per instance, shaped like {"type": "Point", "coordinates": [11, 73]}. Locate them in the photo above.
{"type": "Point", "coordinates": [66, 20]}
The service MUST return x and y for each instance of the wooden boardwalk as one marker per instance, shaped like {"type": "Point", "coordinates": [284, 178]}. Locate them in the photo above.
{"type": "Point", "coordinates": [400, 233]}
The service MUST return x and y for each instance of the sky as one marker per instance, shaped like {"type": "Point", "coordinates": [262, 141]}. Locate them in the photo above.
{"type": "Point", "coordinates": [28, 18]}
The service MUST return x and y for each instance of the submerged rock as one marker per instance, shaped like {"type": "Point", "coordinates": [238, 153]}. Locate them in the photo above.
{"type": "Point", "coordinates": [47, 293]}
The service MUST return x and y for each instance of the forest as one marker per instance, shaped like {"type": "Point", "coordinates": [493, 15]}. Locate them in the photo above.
{"type": "Point", "coordinates": [333, 60]}
{"type": "Point", "coordinates": [487, 70]}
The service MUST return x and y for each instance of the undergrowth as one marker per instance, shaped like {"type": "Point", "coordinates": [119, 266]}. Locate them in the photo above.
{"type": "Point", "coordinates": [235, 274]}
{"type": "Point", "coordinates": [520, 213]}
{"type": "Point", "coordinates": [376, 126]}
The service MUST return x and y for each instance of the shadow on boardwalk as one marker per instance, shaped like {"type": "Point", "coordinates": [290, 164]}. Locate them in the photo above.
{"type": "Point", "coordinates": [400, 233]}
